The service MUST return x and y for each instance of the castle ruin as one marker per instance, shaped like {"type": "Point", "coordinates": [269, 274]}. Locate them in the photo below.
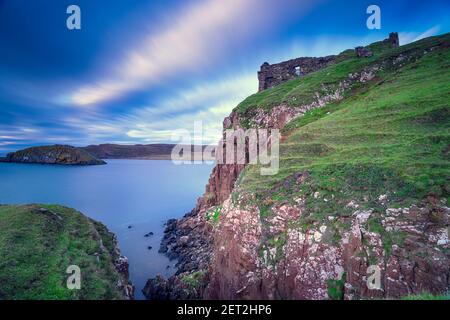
{"type": "Point", "coordinates": [271, 75]}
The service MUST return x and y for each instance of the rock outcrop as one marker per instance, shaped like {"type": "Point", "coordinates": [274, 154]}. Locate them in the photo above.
{"type": "Point", "coordinates": [55, 154]}
{"type": "Point", "coordinates": [306, 264]}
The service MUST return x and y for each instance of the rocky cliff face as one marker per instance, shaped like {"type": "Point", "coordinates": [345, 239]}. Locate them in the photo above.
{"type": "Point", "coordinates": [307, 264]}
{"type": "Point", "coordinates": [121, 264]}
{"type": "Point", "coordinates": [56, 154]}
{"type": "Point", "coordinates": [334, 223]}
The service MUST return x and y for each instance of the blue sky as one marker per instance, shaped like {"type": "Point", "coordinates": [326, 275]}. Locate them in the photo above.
{"type": "Point", "coordinates": [139, 70]}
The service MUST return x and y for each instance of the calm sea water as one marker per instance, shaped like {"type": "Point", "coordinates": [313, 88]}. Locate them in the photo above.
{"type": "Point", "coordinates": [142, 194]}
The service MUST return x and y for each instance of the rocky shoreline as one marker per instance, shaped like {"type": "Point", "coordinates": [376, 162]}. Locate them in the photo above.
{"type": "Point", "coordinates": [188, 241]}
{"type": "Point", "coordinates": [183, 243]}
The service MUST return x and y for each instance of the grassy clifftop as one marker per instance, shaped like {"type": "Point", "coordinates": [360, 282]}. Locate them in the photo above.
{"type": "Point", "coordinates": [39, 242]}
{"type": "Point", "coordinates": [388, 134]}
{"type": "Point", "coordinates": [385, 144]}
{"type": "Point", "coordinates": [304, 89]}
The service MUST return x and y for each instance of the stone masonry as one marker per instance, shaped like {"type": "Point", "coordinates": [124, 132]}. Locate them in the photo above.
{"type": "Point", "coordinates": [272, 75]}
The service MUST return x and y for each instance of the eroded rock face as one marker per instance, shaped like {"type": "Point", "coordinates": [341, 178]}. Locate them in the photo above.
{"type": "Point", "coordinates": [122, 267]}
{"type": "Point", "coordinates": [301, 263]}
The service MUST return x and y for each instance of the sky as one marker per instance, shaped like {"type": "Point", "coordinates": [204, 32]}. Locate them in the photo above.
{"type": "Point", "coordinates": [138, 71]}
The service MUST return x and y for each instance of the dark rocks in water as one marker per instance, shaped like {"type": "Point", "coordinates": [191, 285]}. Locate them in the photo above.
{"type": "Point", "coordinates": [129, 227]}
{"type": "Point", "coordinates": [149, 247]}
{"type": "Point", "coordinates": [148, 234]}
{"type": "Point", "coordinates": [173, 255]}
{"type": "Point", "coordinates": [157, 289]}
{"type": "Point", "coordinates": [55, 154]}
{"type": "Point", "coordinates": [183, 242]}
{"type": "Point", "coordinates": [171, 225]}
{"type": "Point", "coordinates": [173, 288]}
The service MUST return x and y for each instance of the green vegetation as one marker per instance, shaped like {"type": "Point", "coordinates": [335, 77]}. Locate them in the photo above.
{"type": "Point", "coordinates": [335, 288]}
{"type": "Point", "coordinates": [427, 296]}
{"type": "Point", "coordinates": [273, 249]}
{"type": "Point", "coordinates": [195, 280]}
{"type": "Point", "coordinates": [39, 242]}
{"type": "Point", "coordinates": [213, 215]}
{"type": "Point", "coordinates": [302, 90]}
{"type": "Point", "coordinates": [390, 135]}
{"type": "Point", "coordinates": [394, 136]}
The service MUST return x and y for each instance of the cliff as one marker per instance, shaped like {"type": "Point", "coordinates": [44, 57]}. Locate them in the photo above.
{"type": "Point", "coordinates": [362, 189]}
{"type": "Point", "coordinates": [39, 242]}
{"type": "Point", "coordinates": [55, 154]}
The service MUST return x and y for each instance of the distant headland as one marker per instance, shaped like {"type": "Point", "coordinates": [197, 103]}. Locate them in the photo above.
{"type": "Point", "coordinates": [55, 154]}
{"type": "Point", "coordinates": [90, 155]}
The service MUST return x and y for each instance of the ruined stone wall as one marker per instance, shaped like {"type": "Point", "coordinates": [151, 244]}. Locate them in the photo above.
{"type": "Point", "coordinates": [393, 40]}
{"type": "Point", "coordinates": [272, 75]}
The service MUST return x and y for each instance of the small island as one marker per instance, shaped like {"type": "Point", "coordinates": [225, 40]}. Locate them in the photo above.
{"type": "Point", "coordinates": [55, 154]}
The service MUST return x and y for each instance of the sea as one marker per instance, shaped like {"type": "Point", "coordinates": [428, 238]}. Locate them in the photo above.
{"type": "Point", "coordinates": [131, 197]}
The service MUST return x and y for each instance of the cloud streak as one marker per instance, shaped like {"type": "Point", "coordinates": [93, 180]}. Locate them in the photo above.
{"type": "Point", "coordinates": [207, 102]}
{"type": "Point", "coordinates": [189, 42]}
{"type": "Point", "coordinates": [408, 37]}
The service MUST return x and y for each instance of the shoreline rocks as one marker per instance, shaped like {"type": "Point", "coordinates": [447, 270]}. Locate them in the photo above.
{"type": "Point", "coordinates": [185, 240]}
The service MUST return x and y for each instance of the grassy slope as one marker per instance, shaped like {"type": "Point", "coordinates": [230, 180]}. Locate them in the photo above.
{"type": "Point", "coordinates": [389, 136]}
{"type": "Point", "coordinates": [393, 134]}
{"type": "Point", "coordinates": [36, 248]}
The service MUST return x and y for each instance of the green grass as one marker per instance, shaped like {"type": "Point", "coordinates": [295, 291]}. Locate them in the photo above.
{"type": "Point", "coordinates": [214, 215]}
{"type": "Point", "coordinates": [391, 135]}
{"type": "Point", "coordinates": [335, 288]}
{"type": "Point", "coordinates": [37, 247]}
{"type": "Point", "coordinates": [301, 91]}
{"type": "Point", "coordinates": [427, 296]}
{"type": "Point", "coordinates": [195, 280]}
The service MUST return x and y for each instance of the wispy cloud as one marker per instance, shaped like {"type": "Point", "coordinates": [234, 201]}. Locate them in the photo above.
{"type": "Point", "coordinates": [207, 102]}
{"type": "Point", "coordinates": [408, 37]}
{"type": "Point", "coordinates": [190, 41]}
